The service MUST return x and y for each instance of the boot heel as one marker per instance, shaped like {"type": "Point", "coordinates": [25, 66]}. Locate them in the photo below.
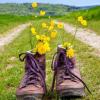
{"type": "Point", "coordinates": [58, 98]}
{"type": "Point", "coordinates": [30, 97]}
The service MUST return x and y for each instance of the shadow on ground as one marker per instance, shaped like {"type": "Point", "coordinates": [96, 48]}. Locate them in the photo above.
{"type": "Point", "coordinates": [54, 96]}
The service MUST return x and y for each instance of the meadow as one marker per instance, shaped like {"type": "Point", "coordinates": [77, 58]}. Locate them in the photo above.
{"type": "Point", "coordinates": [92, 15]}
{"type": "Point", "coordinates": [8, 22]}
{"type": "Point", "coordinates": [11, 69]}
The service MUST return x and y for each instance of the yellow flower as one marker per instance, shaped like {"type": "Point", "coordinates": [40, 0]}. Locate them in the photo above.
{"type": "Point", "coordinates": [67, 45]}
{"type": "Point", "coordinates": [51, 28]}
{"type": "Point", "coordinates": [47, 38]}
{"type": "Point", "coordinates": [52, 23]}
{"type": "Point", "coordinates": [44, 25]}
{"type": "Point", "coordinates": [42, 13]}
{"type": "Point", "coordinates": [70, 53]}
{"type": "Point", "coordinates": [60, 25]}
{"type": "Point", "coordinates": [34, 4]}
{"type": "Point", "coordinates": [84, 22]}
{"type": "Point", "coordinates": [80, 18]}
{"type": "Point", "coordinates": [54, 34]}
{"type": "Point", "coordinates": [42, 38]}
{"type": "Point", "coordinates": [37, 37]}
{"type": "Point", "coordinates": [47, 46]}
{"type": "Point", "coordinates": [42, 48]}
{"type": "Point", "coordinates": [33, 31]}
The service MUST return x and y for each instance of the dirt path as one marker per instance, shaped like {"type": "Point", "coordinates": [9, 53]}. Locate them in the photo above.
{"type": "Point", "coordinates": [84, 35]}
{"type": "Point", "coordinates": [12, 34]}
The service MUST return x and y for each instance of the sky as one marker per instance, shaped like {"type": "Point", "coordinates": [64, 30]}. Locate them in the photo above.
{"type": "Point", "coordinates": [67, 2]}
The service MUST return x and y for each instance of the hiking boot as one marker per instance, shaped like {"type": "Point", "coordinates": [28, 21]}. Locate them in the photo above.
{"type": "Point", "coordinates": [67, 75]}
{"type": "Point", "coordinates": [33, 85]}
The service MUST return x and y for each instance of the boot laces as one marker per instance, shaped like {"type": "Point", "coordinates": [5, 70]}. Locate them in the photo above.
{"type": "Point", "coordinates": [34, 73]}
{"type": "Point", "coordinates": [68, 66]}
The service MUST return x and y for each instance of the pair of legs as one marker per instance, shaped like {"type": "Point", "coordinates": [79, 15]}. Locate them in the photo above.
{"type": "Point", "coordinates": [66, 76]}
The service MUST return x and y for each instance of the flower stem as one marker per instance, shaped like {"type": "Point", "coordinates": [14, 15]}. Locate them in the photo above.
{"type": "Point", "coordinates": [30, 36]}
{"type": "Point", "coordinates": [74, 35]}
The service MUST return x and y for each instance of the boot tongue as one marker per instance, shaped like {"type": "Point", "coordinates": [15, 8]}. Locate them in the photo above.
{"type": "Point", "coordinates": [41, 60]}
{"type": "Point", "coordinates": [63, 60]}
{"type": "Point", "coordinates": [35, 74]}
{"type": "Point", "coordinates": [61, 49]}
{"type": "Point", "coordinates": [61, 56]}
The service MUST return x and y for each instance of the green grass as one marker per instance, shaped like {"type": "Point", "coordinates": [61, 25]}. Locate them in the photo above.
{"type": "Point", "coordinates": [95, 25]}
{"type": "Point", "coordinates": [10, 78]}
{"type": "Point", "coordinates": [26, 9]}
{"type": "Point", "coordinates": [91, 15]}
{"type": "Point", "coordinates": [8, 22]}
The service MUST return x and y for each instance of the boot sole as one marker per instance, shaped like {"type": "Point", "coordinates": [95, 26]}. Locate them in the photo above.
{"type": "Point", "coordinates": [78, 93]}
{"type": "Point", "coordinates": [30, 97]}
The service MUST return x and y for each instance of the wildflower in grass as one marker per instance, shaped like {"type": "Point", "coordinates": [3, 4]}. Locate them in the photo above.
{"type": "Point", "coordinates": [33, 31]}
{"type": "Point", "coordinates": [84, 22]}
{"type": "Point", "coordinates": [60, 25]}
{"type": "Point", "coordinates": [37, 37]}
{"type": "Point", "coordinates": [53, 34]}
{"type": "Point", "coordinates": [42, 48]}
{"type": "Point", "coordinates": [52, 23]}
{"type": "Point", "coordinates": [42, 13]}
{"type": "Point", "coordinates": [44, 25]}
{"type": "Point", "coordinates": [69, 49]}
{"type": "Point", "coordinates": [47, 46]}
{"type": "Point", "coordinates": [70, 53]}
{"type": "Point", "coordinates": [51, 28]}
{"type": "Point", "coordinates": [67, 45]}
{"type": "Point", "coordinates": [34, 4]}
{"type": "Point", "coordinates": [80, 18]}
{"type": "Point", "coordinates": [43, 38]}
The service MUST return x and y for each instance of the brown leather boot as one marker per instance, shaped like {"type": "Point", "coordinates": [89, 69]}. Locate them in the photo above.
{"type": "Point", "coordinates": [67, 75]}
{"type": "Point", "coordinates": [33, 85]}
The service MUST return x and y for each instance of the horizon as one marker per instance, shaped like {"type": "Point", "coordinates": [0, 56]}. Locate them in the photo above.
{"type": "Point", "coordinates": [70, 3]}
{"type": "Point", "coordinates": [50, 3]}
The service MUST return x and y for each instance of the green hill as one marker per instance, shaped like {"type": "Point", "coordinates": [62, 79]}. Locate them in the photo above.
{"type": "Point", "coordinates": [89, 14]}
{"type": "Point", "coordinates": [92, 15]}
{"type": "Point", "coordinates": [8, 22]}
{"type": "Point", "coordinates": [26, 9]}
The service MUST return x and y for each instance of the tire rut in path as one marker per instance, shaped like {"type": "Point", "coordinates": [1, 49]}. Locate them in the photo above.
{"type": "Point", "coordinates": [84, 35]}
{"type": "Point", "coordinates": [12, 34]}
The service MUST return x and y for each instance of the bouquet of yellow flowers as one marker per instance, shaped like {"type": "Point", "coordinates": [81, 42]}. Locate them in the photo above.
{"type": "Point", "coordinates": [43, 41]}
